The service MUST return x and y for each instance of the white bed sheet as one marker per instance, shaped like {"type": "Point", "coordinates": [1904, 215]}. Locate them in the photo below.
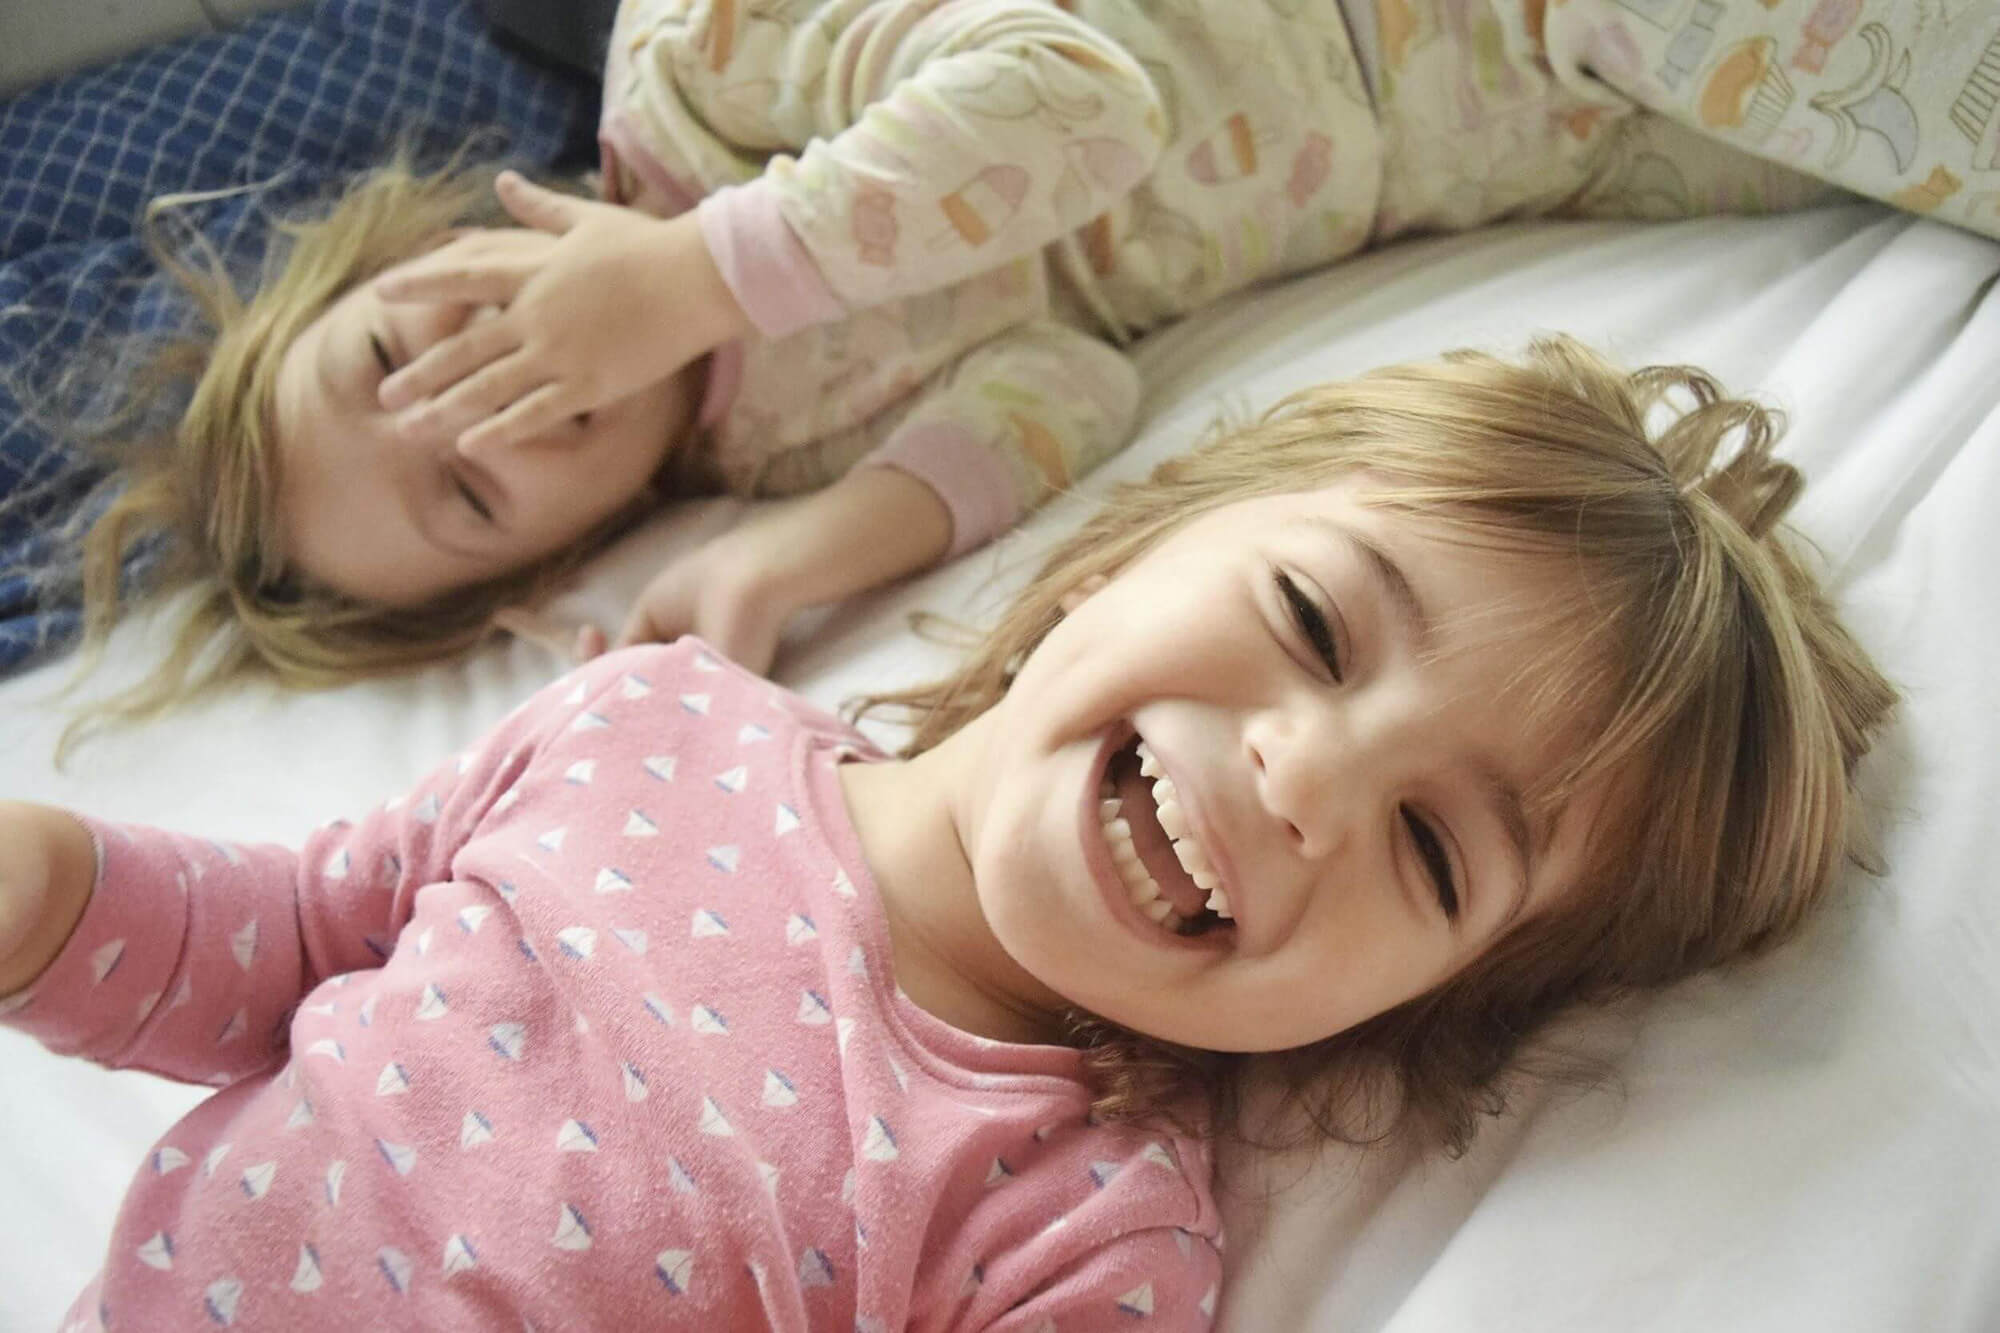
{"type": "Point", "coordinates": [1809, 1143]}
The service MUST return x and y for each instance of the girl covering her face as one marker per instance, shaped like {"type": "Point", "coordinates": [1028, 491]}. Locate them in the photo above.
{"type": "Point", "coordinates": [674, 1001]}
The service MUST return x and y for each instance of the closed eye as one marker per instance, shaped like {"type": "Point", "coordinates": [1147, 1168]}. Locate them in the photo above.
{"type": "Point", "coordinates": [1311, 622]}
{"type": "Point", "coordinates": [471, 497]}
{"type": "Point", "coordinates": [1435, 860]}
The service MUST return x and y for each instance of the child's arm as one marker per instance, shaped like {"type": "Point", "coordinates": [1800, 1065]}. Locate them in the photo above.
{"type": "Point", "coordinates": [938, 142]}
{"type": "Point", "coordinates": [1014, 420]}
{"type": "Point", "coordinates": [871, 527]}
{"type": "Point", "coordinates": [47, 867]}
{"type": "Point", "coordinates": [188, 956]}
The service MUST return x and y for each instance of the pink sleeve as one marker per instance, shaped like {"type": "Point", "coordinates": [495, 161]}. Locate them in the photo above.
{"type": "Point", "coordinates": [191, 954]}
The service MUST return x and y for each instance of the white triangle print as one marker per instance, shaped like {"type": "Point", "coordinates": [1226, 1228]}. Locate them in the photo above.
{"type": "Point", "coordinates": [105, 960]}
{"type": "Point", "coordinates": [868, 1323]}
{"type": "Point", "coordinates": [366, 1014]}
{"type": "Point", "coordinates": [752, 732]}
{"type": "Point", "coordinates": [401, 1157]}
{"type": "Point", "coordinates": [877, 1143]}
{"type": "Point", "coordinates": [638, 826]}
{"type": "Point", "coordinates": [459, 1256]}
{"type": "Point", "coordinates": [678, 1177]}
{"type": "Point", "coordinates": [1138, 1301]}
{"type": "Point", "coordinates": [256, 1180]}
{"type": "Point", "coordinates": [336, 1172]}
{"type": "Point", "coordinates": [997, 1173]}
{"type": "Point", "coordinates": [182, 993]}
{"type": "Point", "coordinates": [800, 929]}
{"type": "Point", "coordinates": [901, 1075]}
{"type": "Point", "coordinates": [707, 925]}
{"type": "Point", "coordinates": [328, 1047]}
{"type": "Point", "coordinates": [787, 820]}
{"type": "Point", "coordinates": [393, 1081]}
{"type": "Point", "coordinates": [733, 780]}
{"type": "Point", "coordinates": [228, 852]}
{"type": "Point", "coordinates": [301, 1116]}
{"type": "Point", "coordinates": [395, 1268]}
{"type": "Point", "coordinates": [577, 941]}
{"type": "Point", "coordinates": [972, 1282]}
{"type": "Point", "coordinates": [635, 1083]}
{"type": "Point", "coordinates": [695, 703]}
{"type": "Point", "coordinates": [707, 1021]}
{"type": "Point", "coordinates": [431, 1004]}
{"type": "Point", "coordinates": [712, 1121]}
{"type": "Point", "coordinates": [243, 944]}
{"type": "Point", "coordinates": [813, 1009]}
{"type": "Point", "coordinates": [424, 938]}
{"type": "Point", "coordinates": [847, 1187]}
{"type": "Point", "coordinates": [589, 722]}
{"type": "Point", "coordinates": [1103, 1173]}
{"type": "Point", "coordinates": [635, 687]}
{"type": "Point", "coordinates": [551, 841]}
{"type": "Point", "coordinates": [470, 919]}
{"type": "Point", "coordinates": [635, 940]}
{"type": "Point", "coordinates": [324, 1009]}
{"type": "Point", "coordinates": [660, 766]}
{"type": "Point", "coordinates": [221, 1298]}
{"type": "Point", "coordinates": [508, 1040]}
{"type": "Point", "coordinates": [306, 1277]}
{"type": "Point", "coordinates": [16, 1002]}
{"type": "Point", "coordinates": [571, 1231]}
{"type": "Point", "coordinates": [238, 1023]}
{"type": "Point", "coordinates": [168, 1159]}
{"type": "Point", "coordinates": [778, 1090]}
{"type": "Point", "coordinates": [1208, 1301]}
{"type": "Point", "coordinates": [577, 693]}
{"type": "Point", "coordinates": [657, 1007]}
{"type": "Point", "coordinates": [769, 1174]}
{"type": "Point", "coordinates": [857, 962]}
{"type": "Point", "coordinates": [676, 1270]}
{"type": "Point", "coordinates": [843, 1029]}
{"type": "Point", "coordinates": [704, 663]}
{"type": "Point", "coordinates": [427, 810]}
{"type": "Point", "coordinates": [580, 773]}
{"type": "Point", "coordinates": [725, 859]}
{"type": "Point", "coordinates": [1156, 1153]}
{"type": "Point", "coordinates": [575, 1136]}
{"type": "Point", "coordinates": [336, 865]}
{"type": "Point", "coordinates": [506, 801]}
{"type": "Point", "coordinates": [1184, 1242]}
{"type": "Point", "coordinates": [842, 885]}
{"type": "Point", "coordinates": [507, 891]}
{"type": "Point", "coordinates": [612, 881]}
{"type": "Point", "coordinates": [158, 1252]}
{"type": "Point", "coordinates": [474, 1130]}
{"type": "Point", "coordinates": [815, 1269]}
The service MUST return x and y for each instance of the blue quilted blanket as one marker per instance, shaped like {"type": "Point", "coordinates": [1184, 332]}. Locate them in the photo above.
{"type": "Point", "coordinates": [299, 99]}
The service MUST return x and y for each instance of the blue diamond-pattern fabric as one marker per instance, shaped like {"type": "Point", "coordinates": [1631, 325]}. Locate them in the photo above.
{"type": "Point", "coordinates": [293, 103]}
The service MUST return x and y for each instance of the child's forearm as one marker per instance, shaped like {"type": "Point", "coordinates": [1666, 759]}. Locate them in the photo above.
{"type": "Point", "coordinates": [47, 870]}
{"type": "Point", "coordinates": [873, 526]}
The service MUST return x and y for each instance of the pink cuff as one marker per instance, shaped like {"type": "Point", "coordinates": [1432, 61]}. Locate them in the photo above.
{"type": "Point", "coordinates": [967, 475]}
{"type": "Point", "coordinates": [759, 255]}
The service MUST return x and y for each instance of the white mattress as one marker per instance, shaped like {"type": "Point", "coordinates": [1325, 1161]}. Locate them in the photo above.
{"type": "Point", "coordinates": [1809, 1143]}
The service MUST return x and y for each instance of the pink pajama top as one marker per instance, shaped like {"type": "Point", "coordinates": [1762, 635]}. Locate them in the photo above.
{"type": "Point", "coordinates": [595, 1028]}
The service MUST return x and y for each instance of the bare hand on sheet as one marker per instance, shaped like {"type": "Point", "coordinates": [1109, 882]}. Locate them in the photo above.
{"type": "Point", "coordinates": [723, 593]}
{"type": "Point", "coordinates": [48, 868]}
{"type": "Point", "coordinates": [616, 300]}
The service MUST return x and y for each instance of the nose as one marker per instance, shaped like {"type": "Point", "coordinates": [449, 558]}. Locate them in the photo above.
{"type": "Point", "coordinates": [1318, 775]}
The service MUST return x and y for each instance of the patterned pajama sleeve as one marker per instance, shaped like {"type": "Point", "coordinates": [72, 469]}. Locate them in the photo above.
{"type": "Point", "coordinates": [1894, 100]}
{"type": "Point", "coordinates": [193, 953]}
{"type": "Point", "coordinates": [933, 142]}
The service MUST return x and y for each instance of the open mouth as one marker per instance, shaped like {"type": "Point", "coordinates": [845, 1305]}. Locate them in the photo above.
{"type": "Point", "coordinates": [1165, 869]}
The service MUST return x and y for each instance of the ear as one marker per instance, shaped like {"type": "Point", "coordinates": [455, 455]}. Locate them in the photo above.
{"type": "Point", "coordinates": [1082, 593]}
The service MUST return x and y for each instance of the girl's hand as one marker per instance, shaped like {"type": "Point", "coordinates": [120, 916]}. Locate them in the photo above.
{"type": "Point", "coordinates": [620, 300]}
{"type": "Point", "coordinates": [730, 593]}
{"type": "Point", "coordinates": [47, 869]}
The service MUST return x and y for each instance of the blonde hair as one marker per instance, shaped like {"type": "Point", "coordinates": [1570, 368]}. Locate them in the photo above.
{"type": "Point", "coordinates": [1703, 641]}
{"type": "Point", "coordinates": [198, 496]}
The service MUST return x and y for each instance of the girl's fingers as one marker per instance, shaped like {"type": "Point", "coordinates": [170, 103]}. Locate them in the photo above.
{"type": "Point", "coordinates": [457, 279]}
{"type": "Point", "coordinates": [444, 364]}
{"type": "Point", "coordinates": [638, 628]}
{"type": "Point", "coordinates": [491, 389]}
{"type": "Point", "coordinates": [540, 411]}
{"type": "Point", "coordinates": [532, 206]}
{"type": "Point", "coordinates": [590, 642]}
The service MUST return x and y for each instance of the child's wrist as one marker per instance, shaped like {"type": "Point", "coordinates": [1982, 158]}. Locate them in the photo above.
{"type": "Point", "coordinates": [703, 296]}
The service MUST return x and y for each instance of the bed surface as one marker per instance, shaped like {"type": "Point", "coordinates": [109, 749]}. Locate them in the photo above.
{"type": "Point", "coordinates": [1805, 1144]}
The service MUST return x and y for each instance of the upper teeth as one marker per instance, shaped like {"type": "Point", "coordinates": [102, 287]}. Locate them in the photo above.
{"type": "Point", "coordinates": [1173, 820]}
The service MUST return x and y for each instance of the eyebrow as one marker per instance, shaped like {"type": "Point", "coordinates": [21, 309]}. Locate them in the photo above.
{"type": "Point", "coordinates": [1400, 594]}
